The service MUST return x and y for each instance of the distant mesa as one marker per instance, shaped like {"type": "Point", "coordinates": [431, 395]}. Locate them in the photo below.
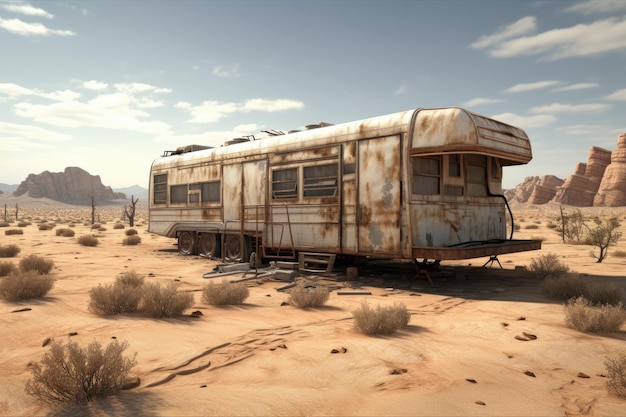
{"type": "Point", "coordinates": [601, 181]}
{"type": "Point", "coordinates": [73, 186]}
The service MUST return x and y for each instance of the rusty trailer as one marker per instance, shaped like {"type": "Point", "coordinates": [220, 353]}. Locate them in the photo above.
{"type": "Point", "coordinates": [419, 184]}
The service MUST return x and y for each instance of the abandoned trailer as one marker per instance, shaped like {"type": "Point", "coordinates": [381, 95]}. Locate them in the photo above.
{"type": "Point", "coordinates": [419, 184]}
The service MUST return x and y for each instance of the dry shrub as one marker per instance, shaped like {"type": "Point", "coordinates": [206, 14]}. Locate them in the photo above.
{"type": "Point", "coordinates": [131, 240]}
{"type": "Point", "coordinates": [225, 293]}
{"type": "Point", "coordinates": [382, 320]}
{"type": "Point", "coordinates": [65, 232]}
{"type": "Point", "coordinates": [117, 226]}
{"type": "Point", "coordinates": [619, 253]}
{"type": "Point", "coordinates": [96, 226]}
{"type": "Point", "coordinates": [306, 297]}
{"type": "Point", "coordinates": [36, 263]}
{"type": "Point", "coordinates": [69, 373]}
{"type": "Point", "coordinates": [570, 286]}
{"type": "Point", "coordinates": [130, 232]}
{"type": "Point", "coordinates": [532, 227]}
{"type": "Point", "coordinates": [46, 226]}
{"type": "Point", "coordinates": [548, 266]}
{"type": "Point", "coordinates": [7, 268]}
{"type": "Point", "coordinates": [161, 302]}
{"type": "Point", "coordinates": [23, 224]}
{"type": "Point", "coordinates": [4, 224]}
{"type": "Point", "coordinates": [25, 285]}
{"type": "Point", "coordinates": [123, 296]}
{"type": "Point", "coordinates": [14, 232]}
{"type": "Point", "coordinates": [581, 315]}
{"type": "Point", "coordinates": [9, 251]}
{"type": "Point", "coordinates": [616, 374]}
{"type": "Point", "coordinates": [88, 240]}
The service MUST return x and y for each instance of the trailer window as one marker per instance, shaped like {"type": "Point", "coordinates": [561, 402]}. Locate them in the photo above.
{"type": "Point", "coordinates": [320, 181]}
{"type": "Point", "coordinates": [178, 194]}
{"type": "Point", "coordinates": [476, 175]}
{"type": "Point", "coordinates": [426, 175]}
{"type": "Point", "coordinates": [454, 165]}
{"type": "Point", "coordinates": [211, 192]}
{"type": "Point", "coordinates": [285, 184]}
{"type": "Point", "coordinates": [160, 189]}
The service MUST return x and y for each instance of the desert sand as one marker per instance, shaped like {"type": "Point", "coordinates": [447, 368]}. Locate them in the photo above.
{"type": "Point", "coordinates": [458, 357]}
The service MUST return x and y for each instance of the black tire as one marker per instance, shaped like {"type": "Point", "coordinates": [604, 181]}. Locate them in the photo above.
{"type": "Point", "coordinates": [232, 248]}
{"type": "Point", "coordinates": [186, 243]}
{"type": "Point", "coordinates": [208, 245]}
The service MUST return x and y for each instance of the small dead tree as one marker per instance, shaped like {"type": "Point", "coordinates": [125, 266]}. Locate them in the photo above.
{"type": "Point", "coordinates": [5, 212]}
{"type": "Point", "coordinates": [129, 210]}
{"type": "Point", "coordinates": [603, 236]}
{"type": "Point", "coordinates": [17, 210]}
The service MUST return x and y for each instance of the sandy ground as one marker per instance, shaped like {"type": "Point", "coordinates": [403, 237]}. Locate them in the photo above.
{"type": "Point", "coordinates": [458, 357]}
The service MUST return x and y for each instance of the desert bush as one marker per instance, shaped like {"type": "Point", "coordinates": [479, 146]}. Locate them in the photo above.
{"type": "Point", "coordinates": [69, 373]}
{"type": "Point", "coordinates": [4, 224]}
{"type": "Point", "coordinates": [46, 226]}
{"type": "Point", "coordinates": [23, 224]}
{"type": "Point", "coordinates": [305, 297]}
{"type": "Point", "coordinates": [603, 235]}
{"type": "Point", "coordinates": [531, 227]}
{"type": "Point", "coordinates": [9, 251]}
{"type": "Point", "coordinates": [548, 266]}
{"type": "Point", "coordinates": [581, 315]}
{"type": "Point", "coordinates": [25, 285]}
{"type": "Point", "coordinates": [96, 226]}
{"type": "Point", "coordinates": [123, 296]}
{"type": "Point", "coordinates": [36, 263]}
{"type": "Point", "coordinates": [88, 240]}
{"type": "Point", "coordinates": [65, 232]}
{"type": "Point", "coordinates": [161, 302]}
{"type": "Point", "coordinates": [130, 232]}
{"type": "Point", "coordinates": [517, 227]}
{"type": "Point", "coordinates": [619, 253]}
{"type": "Point", "coordinates": [225, 293]}
{"type": "Point", "coordinates": [552, 225]}
{"type": "Point", "coordinates": [7, 268]}
{"type": "Point", "coordinates": [13, 232]}
{"type": "Point", "coordinates": [568, 286]}
{"type": "Point", "coordinates": [382, 320]}
{"type": "Point", "coordinates": [131, 240]}
{"type": "Point", "coordinates": [117, 226]}
{"type": "Point", "coordinates": [616, 374]}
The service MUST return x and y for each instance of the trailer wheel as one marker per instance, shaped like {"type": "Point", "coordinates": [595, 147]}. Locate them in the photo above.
{"type": "Point", "coordinates": [208, 245]}
{"type": "Point", "coordinates": [232, 248]}
{"type": "Point", "coordinates": [186, 244]}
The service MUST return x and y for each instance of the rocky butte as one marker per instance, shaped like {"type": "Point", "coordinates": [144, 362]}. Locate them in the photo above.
{"type": "Point", "coordinates": [601, 181]}
{"type": "Point", "coordinates": [73, 186]}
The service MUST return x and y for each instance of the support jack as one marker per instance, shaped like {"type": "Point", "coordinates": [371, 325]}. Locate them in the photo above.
{"type": "Point", "coordinates": [491, 260]}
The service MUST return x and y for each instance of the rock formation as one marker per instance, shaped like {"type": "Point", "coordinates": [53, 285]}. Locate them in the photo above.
{"type": "Point", "coordinates": [612, 190]}
{"type": "Point", "coordinates": [601, 181]}
{"type": "Point", "coordinates": [73, 186]}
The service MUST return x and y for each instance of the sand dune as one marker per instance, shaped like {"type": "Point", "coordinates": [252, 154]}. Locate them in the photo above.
{"type": "Point", "coordinates": [459, 355]}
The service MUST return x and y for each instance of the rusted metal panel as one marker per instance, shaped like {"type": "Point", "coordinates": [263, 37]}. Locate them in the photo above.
{"type": "Point", "coordinates": [477, 250]}
{"type": "Point", "coordinates": [378, 210]}
{"type": "Point", "coordinates": [456, 129]}
{"type": "Point", "coordinates": [232, 195]}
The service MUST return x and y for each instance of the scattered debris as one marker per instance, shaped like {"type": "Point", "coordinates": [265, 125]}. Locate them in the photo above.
{"type": "Point", "coordinates": [283, 346]}
{"type": "Point", "coordinates": [530, 373]}
{"type": "Point", "coordinates": [46, 341]}
{"type": "Point", "coordinates": [354, 293]}
{"type": "Point", "coordinates": [522, 338]}
{"type": "Point", "coordinates": [21, 309]}
{"type": "Point", "coordinates": [473, 381]}
{"type": "Point", "coordinates": [340, 350]}
{"type": "Point", "coordinates": [530, 336]}
{"type": "Point", "coordinates": [583, 375]}
{"type": "Point", "coordinates": [397, 371]}
{"type": "Point", "coordinates": [480, 402]}
{"type": "Point", "coordinates": [72, 333]}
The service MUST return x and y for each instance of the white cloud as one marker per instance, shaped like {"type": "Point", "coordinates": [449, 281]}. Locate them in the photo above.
{"type": "Point", "coordinates": [578, 86]}
{"type": "Point", "coordinates": [619, 95]}
{"type": "Point", "coordinates": [209, 111]}
{"type": "Point", "coordinates": [132, 88]}
{"type": "Point", "coordinates": [14, 90]}
{"type": "Point", "coordinates": [16, 137]}
{"type": "Point", "coordinates": [479, 101]}
{"type": "Point", "coordinates": [272, 105]}
{"type": "Point", "coordinates": [226, 71]}
{"type": "Point", "coordinates": [597, 6]}
{"type": "Point", "coordinates": [400, 90]}
{"type": "Point", "coordinates": [596, 38]}
{"type": "Point", "coordinates": [526, 122]}
{"type": "Point", "coordinates": [110, 111]}
{"type": "Point", "coordinates": [523, 26]}
{"type": "Point", "coordinates": [581, 129]}
{"type": "Point", "coordinates": [26, 9]}
{"type": "Point", "coordinates": [19, 27]}
{"type": "Point", "coordinates": [519, 88]}
{"type": "Point", "coordinates": [212, 111]}
{"type": "Point", "coordinates": [95, 85]}
{"type": "Point", "coordinates": [571, 108]}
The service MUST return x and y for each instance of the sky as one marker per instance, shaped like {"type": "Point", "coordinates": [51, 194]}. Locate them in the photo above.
{"type": "Point", "coordinates": [107, 86]}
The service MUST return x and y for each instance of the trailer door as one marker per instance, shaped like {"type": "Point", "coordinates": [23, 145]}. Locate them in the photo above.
{"type": "Point", "coordinates": [232, 179]}
{"type": "Point", "coordinates": [379, 209]}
